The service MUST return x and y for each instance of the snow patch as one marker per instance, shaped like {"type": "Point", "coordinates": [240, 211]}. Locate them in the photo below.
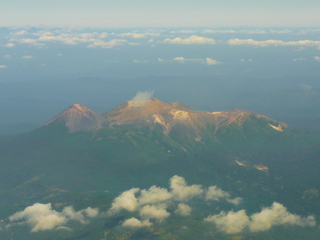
{"type": "Point", "coordinates": [279, 128]}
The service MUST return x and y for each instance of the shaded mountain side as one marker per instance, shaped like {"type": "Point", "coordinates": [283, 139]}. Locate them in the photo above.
{"type": "Point", "coordinates": [78, 118]}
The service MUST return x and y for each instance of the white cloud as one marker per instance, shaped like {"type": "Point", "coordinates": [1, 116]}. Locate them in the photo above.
{"type": "Point", "coordinates": [138, 35]}
{"type": "Point", "coordinates": [154, 195]}
{"type": "Point", "coordinates": [27, 57]}
{"type": "Point", "coordinates": [112, 43]}
{"type": "Point", "coordinates": [179, 59]}
{"type": "Point", "coordinates": [126, 200]}
{"type": "Point", "coordinates": [103, 35]}
{"type": "Point", "coordinates": [231, 222]}
{"type": "Point", "coordinates": [3, 66]}
{"type": "Point", "coordinates": [81, 215]}
{"type": "Point", "coordinates": [246, 60]}
{"type": "Point", "coordinates": [217, 194]}
{"type": "Point", "coordinates": [94, 39]}
{"type": "Point", "coordinates": [207, 61]}
{"type": "Point", "coordinates": [271, 42]}
{"type": "Point", "coordinates": [157, 212]}
{"type": "Point", "coordinates": [20, 33]}
{"type": "Point", "coordinates": [133, 35]}
{"type": "Point", "coordinates": [182, 192]}
{"type": "Point", "coordinates": [299, 59]}
{"type": "Point", "coordinates": [9, 45]}
{"type": "Point", "coordinates": [277, 214]}
{"type": "Point", "coordinates": [42, 217]}
{"type": "Point", "coordinates": [317, 58]}
{"type": "Point", "coordinates": [210, 61]}
{"type": "Point", "coordinates": [136, 223]}
{"type": "Point", "coordinates": [29, 41]}
{"type": "Point", "coordinates": [183, 60]}
{"type": "Point", "coordinates": [194, 39]}
{"type": "Point", "coordinates": [183, 209]}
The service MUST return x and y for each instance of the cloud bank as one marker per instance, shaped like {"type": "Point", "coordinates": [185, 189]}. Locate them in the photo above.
{"type": "Point", "coordinates": [274, 43]}
{"type": "Point", "coordinates": [152, 204]}
{"type": "Point", "coordinates": [155, 205]}
{"type": "Point", "coordinates": [194, 39]}
{"type": "Point", "coordinates": [236, 222]}
{"type": "Point", "coordinates": [182, 192]}
{"type": "Point", "coordinates": [41, 217]}
{"type": "Point", "coordinates": [206, 61]}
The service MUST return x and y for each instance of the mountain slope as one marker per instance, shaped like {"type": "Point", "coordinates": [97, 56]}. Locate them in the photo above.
{"type": "Point", "coordinates": [171, 116]}
{"type": "Point", "coordinates": [78, 118]}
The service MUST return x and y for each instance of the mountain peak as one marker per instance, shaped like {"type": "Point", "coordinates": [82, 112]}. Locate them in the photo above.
{"type": "Point", "coordinates": [78, 118]}
{"type": "Point", "coordinates": [169, 116]}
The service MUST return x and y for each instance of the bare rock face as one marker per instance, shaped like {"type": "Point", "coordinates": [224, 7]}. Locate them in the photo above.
{"type": "Point", "coordinates": [153, 113]}
{"type": "Point", "coordinates": [168, 115]}
{"type": "Point", "coordinates": [78, 118]}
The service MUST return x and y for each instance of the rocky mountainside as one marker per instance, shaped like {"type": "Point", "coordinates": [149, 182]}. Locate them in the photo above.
{"type": "Point", "coordinates": [78, 118]}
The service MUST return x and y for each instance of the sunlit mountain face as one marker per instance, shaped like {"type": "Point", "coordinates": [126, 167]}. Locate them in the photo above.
{"type": "Point", "coordinates": [149, 169]}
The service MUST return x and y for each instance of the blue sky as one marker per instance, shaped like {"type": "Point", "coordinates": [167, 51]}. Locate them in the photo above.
{"type": "Point", "coordinates": [151, 13]}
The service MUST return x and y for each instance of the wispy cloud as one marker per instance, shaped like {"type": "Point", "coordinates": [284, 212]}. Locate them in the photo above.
{"type": "Point", "coordinates": [23, 32]}
{"type": "Point", "coordinates": [194, 39]}
{"type": "Point", "coordinates": [274, 43]}
{"type": "Point", "coordinates": [27, 57]}
{"type": "Point", "coordinates": [139, 34]}
{"type": "Point", "coordinates": [9, 45]}
{"type": "Point", "coordinates": [206, 61]}
{"type": "Point", "coordinates": [231, 31]}
{"type": "Point", "coordinates": [299, 59]}
{"type": "Point", "coordinates": [110, 44]}
{"type": "Point", "coordinates": [210, 61]}
{"type": "Point", "coordinates": [94, 39]}
{"type": "Point", "coordinates": [317, 58]}
{"type": "Point", "coordinates": [3, 66]}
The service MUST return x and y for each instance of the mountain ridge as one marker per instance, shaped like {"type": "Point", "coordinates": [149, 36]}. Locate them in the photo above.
{"type": "Point", "coordinates": [153, 112]}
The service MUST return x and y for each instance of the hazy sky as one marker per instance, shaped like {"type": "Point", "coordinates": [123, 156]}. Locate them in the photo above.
{"type": "Point", "coordinates": [165, 13]}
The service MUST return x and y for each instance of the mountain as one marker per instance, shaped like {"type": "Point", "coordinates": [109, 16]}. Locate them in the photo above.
{"type": "Point", "coordinates": [177, 120]}
{"type": "Point", "coordinates": [82, 158]}
{"type": "Point", "coordinates": [78, 118]}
